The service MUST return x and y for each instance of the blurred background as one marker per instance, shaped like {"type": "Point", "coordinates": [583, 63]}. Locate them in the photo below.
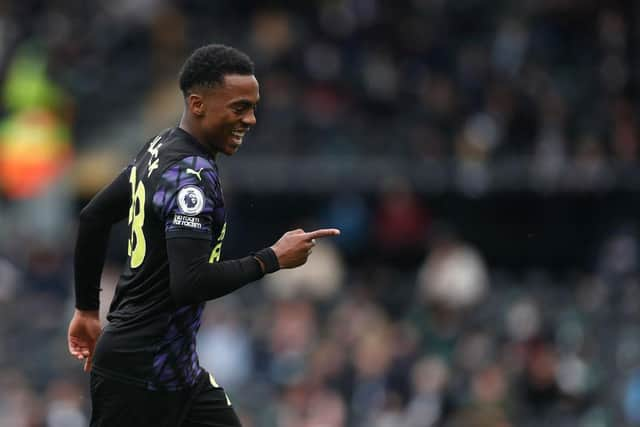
{"type": "Point", "coordinates": [480, 158]}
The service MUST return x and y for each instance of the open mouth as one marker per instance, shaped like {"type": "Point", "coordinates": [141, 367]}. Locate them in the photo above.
{"type": "Point", "coordinates": [237, 135]}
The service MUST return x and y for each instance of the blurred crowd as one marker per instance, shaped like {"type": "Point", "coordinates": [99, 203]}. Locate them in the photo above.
{"type": "Point", "coordinates": [449, 342]}
{"type": "Point", "coordinates": [402, 321]}
{"type": "Point", "coordinates": [470, 82]}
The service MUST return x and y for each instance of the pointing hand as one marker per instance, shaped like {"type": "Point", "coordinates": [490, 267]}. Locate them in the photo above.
{"type": "Point", "coordinates": [294, 247]}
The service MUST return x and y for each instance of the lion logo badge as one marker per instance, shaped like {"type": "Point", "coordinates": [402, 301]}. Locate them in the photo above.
{"type": "Point", "coordinates": [191, 200]}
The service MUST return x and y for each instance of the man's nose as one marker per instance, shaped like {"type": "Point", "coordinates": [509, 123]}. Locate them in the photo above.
{"type": "Point", "coordinates": [249, 119]}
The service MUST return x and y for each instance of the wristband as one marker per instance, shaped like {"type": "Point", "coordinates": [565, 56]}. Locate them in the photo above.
{"type": "Point", "coordinates": [269, 259]}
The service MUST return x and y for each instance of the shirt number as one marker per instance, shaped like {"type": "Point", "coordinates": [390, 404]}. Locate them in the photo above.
{"type": "Point", "coordinates": [217, 250]}
{"type": "Point", "coordinates": [136, 246]}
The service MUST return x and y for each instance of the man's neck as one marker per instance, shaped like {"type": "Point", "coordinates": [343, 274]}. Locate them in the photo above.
{"type": "Point", "coordinates": [187, 126]}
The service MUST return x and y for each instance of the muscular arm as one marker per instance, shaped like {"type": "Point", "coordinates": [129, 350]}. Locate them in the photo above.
{"type": "Point", "coordinates": [109, 206]}
{"type": "Point", "coordinates": [193, 279]}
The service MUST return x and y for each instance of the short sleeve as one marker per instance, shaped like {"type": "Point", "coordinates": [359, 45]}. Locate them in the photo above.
{"type": "Point", "coordinates": [187, 197]}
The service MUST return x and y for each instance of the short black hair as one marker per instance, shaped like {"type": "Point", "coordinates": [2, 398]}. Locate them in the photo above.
{"type": "Point", "coordinates": [208, 65]}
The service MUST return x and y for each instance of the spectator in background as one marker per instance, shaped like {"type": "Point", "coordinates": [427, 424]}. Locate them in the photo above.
{"type": "Point", "coordinates": [320, 279]}
{"type": "Point", "coordinates": [453, 276]}
{"type": "Point", "coordinates": [35, 146]}
{"type": "Point", "coordinates": [400, 223]}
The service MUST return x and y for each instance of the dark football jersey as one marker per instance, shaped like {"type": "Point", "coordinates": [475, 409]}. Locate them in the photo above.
{"type": "Point", "coordinates": [175, 192]}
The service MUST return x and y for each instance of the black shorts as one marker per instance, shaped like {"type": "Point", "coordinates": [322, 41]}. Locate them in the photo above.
{"type": "Point", "coordinates": [117, 404]}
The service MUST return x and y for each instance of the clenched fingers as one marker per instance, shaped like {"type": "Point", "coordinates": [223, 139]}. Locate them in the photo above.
{"type": "Point", "coordinates": [77, 349]}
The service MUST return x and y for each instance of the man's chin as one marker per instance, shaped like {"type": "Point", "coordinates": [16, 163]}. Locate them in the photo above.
{"type": "Point", "coordinates": [234, 146]}
{"type": "Point", "coordinates": [230, 149]}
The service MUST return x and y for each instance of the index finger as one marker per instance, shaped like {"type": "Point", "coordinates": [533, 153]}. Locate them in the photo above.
{"type": "Point", "coordinates": [323, 232]}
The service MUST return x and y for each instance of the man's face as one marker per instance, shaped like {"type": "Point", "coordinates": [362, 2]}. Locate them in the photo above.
{"type": "Point", "coordinates": [228, 111]}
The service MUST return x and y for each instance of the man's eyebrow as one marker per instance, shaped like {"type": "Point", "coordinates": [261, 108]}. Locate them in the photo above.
{"type": "Point", "coordinates": [244, 102]}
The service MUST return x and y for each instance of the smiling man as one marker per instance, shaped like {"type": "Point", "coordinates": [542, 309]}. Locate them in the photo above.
{"type": "Point", "coordinates": [144, 367]}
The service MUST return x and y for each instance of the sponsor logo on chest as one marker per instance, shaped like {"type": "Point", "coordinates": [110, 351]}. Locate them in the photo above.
{"type": "Point", "coordinates": [187, 221]}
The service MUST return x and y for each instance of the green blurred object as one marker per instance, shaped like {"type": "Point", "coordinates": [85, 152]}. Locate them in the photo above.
{"type": "Point", "coordinates": [26, 85]}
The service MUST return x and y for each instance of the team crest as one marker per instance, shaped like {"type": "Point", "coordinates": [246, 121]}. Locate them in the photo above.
{"type": "Point", "coordinates": [191, 200]}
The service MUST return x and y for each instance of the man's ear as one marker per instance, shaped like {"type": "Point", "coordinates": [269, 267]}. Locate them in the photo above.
{"type": "Point", "coordinates": [196, 104]}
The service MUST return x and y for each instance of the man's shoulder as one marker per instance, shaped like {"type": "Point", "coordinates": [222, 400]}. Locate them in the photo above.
{"type": "Point", "coordinates": [189, 182]}
{"type": "Point", "coordinates": [175, 144]}
{"type": "Point", "coordinates": [198, 168]}
{"type": "Point", "coordinates": [190, 170]}
{"type": "Point", "coordinates": [179, 155]}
